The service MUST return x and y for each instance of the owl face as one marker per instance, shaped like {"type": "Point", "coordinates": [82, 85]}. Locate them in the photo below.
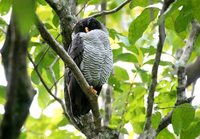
{"type": "Point", "coordinates": [87, 25]}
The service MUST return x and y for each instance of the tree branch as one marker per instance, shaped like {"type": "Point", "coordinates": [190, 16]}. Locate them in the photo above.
{"type": "Point", "coordinates": [53, 74]}
{"type": "Point", "coordinates": [156, 63]}
{"type": "Point", "coordinates": [62, 9]}
{"type": "Point", "coordinates": [182, 81]}
{"type": "Point", "coordinates": [181, 76]}
{"type": "Point", "coordinates": [113, 10]}
{"type": "Point", "coordinates": [86, 1]}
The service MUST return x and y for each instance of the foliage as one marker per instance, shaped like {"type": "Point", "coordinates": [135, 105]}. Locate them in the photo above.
{"type": "Point", "coordinates": [133, 37]}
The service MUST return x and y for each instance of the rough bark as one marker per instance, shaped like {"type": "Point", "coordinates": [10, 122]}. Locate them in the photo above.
{"type": "Point", "coordinates": [19, 90]}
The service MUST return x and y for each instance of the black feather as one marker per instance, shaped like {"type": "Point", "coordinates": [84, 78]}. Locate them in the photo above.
{"type": "Point", "coordinates": [91, 23]}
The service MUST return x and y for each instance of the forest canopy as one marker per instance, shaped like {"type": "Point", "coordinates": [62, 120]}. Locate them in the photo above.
{"type": "Point", "coordinates": [151, 93]}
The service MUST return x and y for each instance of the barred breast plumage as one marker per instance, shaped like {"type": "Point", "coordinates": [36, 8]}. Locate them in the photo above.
{"type": "Point", "coordinates": [97, 60]}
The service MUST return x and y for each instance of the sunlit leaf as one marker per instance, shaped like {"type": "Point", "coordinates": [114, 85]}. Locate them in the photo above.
{"type": "Point", "coordinates": [121, 73]}
{"type": "Point", "coordinates": [140, 24]}
{"type": "Point", "coordinates": [196, 9]}
{"type": "Point", "coordinates": [34, 77]}
{"type": "Point", "coordinates": [24, 11]}
{"type": "Point", "coordinates": [156, 118]}
{"type": "Point", "coordinates": [55, 20]}
{"type": "Point", "coordinates": [2, 22]}
{"type": "Point", "coordinates": [192, 132]}
{"type": "Point", "coordinates": [2, 94]}
{"type": "Point", "coordinates": [5, 6]}
{"type": "Point", "coordinates": [142, 3]}
{"type": "Point", "coordinates": [116, 52]}
{"type": "Point", "coordinates": [127, 57]}
{"type": "Point", "coordinates": [182, 117]}
{"type": "Point", "coordinates": [42, 2]}
{"type": "Point", "coordinates": [115, 83]}
{"type": "Point", "coordinates": [165, 134]}
{"type": "Point", "coordinates": [162, 63]}
{"type": "Point", "coordinates": [43, 97]}
{"type": "Point", "coordinates": [183, 19]}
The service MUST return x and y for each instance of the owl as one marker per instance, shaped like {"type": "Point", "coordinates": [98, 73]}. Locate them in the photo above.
{"type": "Point", "coordinates": [90, 49]}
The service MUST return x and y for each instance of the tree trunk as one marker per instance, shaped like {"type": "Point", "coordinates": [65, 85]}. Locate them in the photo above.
{"type": "Point", "coordinates": [19, 89]}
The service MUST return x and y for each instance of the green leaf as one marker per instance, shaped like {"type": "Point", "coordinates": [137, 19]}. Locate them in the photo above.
{"type": "Point", "coordinates": [34, 77]}
{"type": "Point", "coordinates": [156, 118]}
{"type": "Point", "coordinates": [2, 94]}
{"type": "Point", "coordinates": [55, 20]}
{"type": "Point", "coordinates": [142, 3]}
{"type": "Point", "coordinates": [43, 97]}
{"type": "Point", "coordinates": [63, 122]}
{"type": "Point", "coordinates": [196, 9]}
{"type": "Point", "coordinates": [140, 24]}
{"type": "Point", "coordinates": [124, 131]}
{"type": "Point", "coordinates": [165, 134]}
{"type": "Point", "coordinates": [127, 57]}
{"type": "Point", "coordinates": [94, 1]}
{"type": "Point", "coordinates": [192, 132]}
{"type": "Point", "coordinates": [2, 22]}
{"type": "Point", "coordinates": [162, 63]}
{"type": "Point", "coordinates": [42, 2]}
{"type": "Point", "coordinates": [144, 75]}
{"type": "Point", "coordinates": [24, 12]}
{"type": "Point", "coordinates": [174, 7]}
{"type": "Point", "coordinates": [48, 26]}
{"type": "Point", "coordinates": [184, 18]}
{"type": "Point", "coordinates": [121, 73]}
{"type": "Point", "coordinates": [5, 6]}
{"type": "Point", "coordinates": [112, 33]}
{"type": "Point", "coordinates": [116, 52]}
{"type": "Point", "coordinates": [115, 83]}
{"type": "Point", "coordinates": [182, 117]}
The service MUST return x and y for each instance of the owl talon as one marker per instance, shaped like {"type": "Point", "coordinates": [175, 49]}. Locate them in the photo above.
{"type": "Point", "coordinates": [92, 90]}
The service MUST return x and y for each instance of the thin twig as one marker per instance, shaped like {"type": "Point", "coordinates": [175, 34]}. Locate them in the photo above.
{"type": "Point", "coordinates": [113, 10]}
{"type": "Point", "coordinates": [41, 58]}
{"type": "Point", "coordinates": [45, 85]}
{"type": "Point", "coordinates": [53, 74]}
{"type": "Point", "coordinates": [56, 82]}
{"type": "Point", "coordinates": [125, 108]}
{"type": "Point", "coordinates": [86, 2]}
{"type": "Point", "coordinates": [126, 102]}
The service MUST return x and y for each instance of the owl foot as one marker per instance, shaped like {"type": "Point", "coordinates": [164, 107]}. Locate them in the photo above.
{"type": "Point", "coordinates": [92, 90]}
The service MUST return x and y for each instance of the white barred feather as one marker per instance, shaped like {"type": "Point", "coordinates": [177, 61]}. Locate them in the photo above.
{"type": "Point", "coordinates": [97, 60]}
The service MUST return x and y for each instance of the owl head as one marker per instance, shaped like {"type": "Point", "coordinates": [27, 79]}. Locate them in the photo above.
{"type": "Point", "coordinates": [87, 25]}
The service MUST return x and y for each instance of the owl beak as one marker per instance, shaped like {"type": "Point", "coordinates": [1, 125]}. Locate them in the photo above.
{"type": "Point", "coordinates": [86, 29]}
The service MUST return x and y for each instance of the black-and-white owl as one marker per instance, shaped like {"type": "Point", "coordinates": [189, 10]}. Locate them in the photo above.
{"type": "Point", "coordinates": [91, 51]}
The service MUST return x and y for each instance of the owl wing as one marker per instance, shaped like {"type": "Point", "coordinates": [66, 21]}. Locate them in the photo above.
{"type": "Point", "coordinates": [79, 102]}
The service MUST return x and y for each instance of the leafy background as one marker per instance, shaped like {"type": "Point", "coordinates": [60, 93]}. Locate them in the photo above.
{"type": "Point", "coordinates": [133, 37]}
